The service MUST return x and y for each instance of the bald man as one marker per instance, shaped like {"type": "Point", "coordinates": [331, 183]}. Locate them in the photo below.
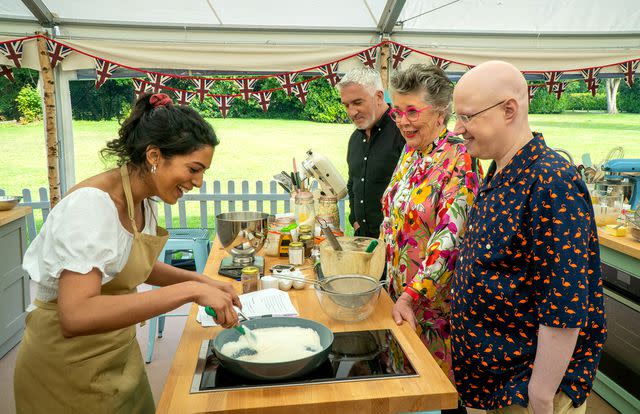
{"type": "Point", "coordinates": [527, 307]}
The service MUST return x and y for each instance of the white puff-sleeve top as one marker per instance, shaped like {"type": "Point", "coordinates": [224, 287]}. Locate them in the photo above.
{"type": "Point", "coordinates": [82, 232]}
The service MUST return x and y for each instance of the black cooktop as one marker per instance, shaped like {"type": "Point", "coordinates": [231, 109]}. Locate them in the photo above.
{"type": "Point", "coordinates": [355, 356]}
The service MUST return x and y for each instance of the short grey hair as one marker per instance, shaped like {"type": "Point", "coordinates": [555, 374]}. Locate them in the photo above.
{"type": "Point", "coordinates": [430, 81]}
{"type": "Point", "coordinates": [366, 77]}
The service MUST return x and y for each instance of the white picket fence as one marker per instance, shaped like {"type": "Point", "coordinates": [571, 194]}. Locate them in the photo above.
{"type": "Point", "coordinates": [275, 200]}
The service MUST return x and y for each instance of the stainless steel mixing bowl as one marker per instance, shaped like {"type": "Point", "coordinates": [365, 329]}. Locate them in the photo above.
{"type": "Point", "coordinates": [242, 233]}
{"type": "Point", "coordinates": [9, 202]}
{"type": "Point", "coordinates": [348, 298]}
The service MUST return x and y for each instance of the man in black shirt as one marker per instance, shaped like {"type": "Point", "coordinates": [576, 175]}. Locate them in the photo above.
{"type": "Point", "coordinates": [374, 148]}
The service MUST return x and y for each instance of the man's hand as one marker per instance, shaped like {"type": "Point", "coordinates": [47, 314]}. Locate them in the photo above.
{"type": "Point", "coordinates": [356, 225]}
{"type": "Point", "coordinates": [403, 310]}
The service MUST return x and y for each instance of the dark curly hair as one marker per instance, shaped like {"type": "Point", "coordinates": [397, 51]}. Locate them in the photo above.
{"type": "Point", "coordinates": [175, 130]}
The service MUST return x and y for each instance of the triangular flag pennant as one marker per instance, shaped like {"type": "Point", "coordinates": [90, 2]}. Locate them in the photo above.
{"type": "Point", "coordinates": [184, 97]}
{"type": "Point", "coordinates": [629, 68]}
{"type": "Point", "coordinates": [287, 81]}
{"type": "Point", "coordinates": [246, 87]}
{"type": "Point", "coordinates": [140, 87]}
{"type": "Point", "coordinates": [57, 52]}
{"type": "Point", "coordinates": [442, 63]}
{"type": "Point", "coordinates": [157, 81]}
{"type": "Point", "coordinates": [469, 67]}
{"type": "Point", "coordinates": [398, 54]}
{"type": "Point", "coordinates": [532, 89]}
{"type": "Point", "coordinates": [301, 91]}
{"type": "Point", "coordinates": [12, 51]}
{"type": "Point", "coordinates": [224, 104]}
{"type": "Point", "coordinates": [559, 88]}
{"type": "Point", "coordinates": [552, 79]}
{"type": "Point", "coordinates": [7, 72]}
{"type": "Point", "coordinates": [590, 77]}
{"type": "Point", "coordinates": [369, 57]}
{"type": "Point", "coordinates": [104, 70]}
{"type": "Point", "coordinates": [330, 71]}
{"type": "Point", "coordinates": [263, 98]}
{"type": "Point", "coordinates": [202, 87]}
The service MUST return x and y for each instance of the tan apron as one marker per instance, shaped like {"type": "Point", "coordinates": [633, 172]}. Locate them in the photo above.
{"type": "Point", "coordinates": [100, 373]}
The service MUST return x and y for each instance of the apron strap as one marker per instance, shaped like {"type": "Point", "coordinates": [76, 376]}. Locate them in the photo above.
{"type": "Point", "coordinates": [126, 184]}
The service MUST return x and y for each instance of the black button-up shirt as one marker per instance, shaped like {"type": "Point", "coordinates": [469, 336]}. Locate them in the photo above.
{"type": "Point", "coordinates": [371, 163]}
{"type": "Point", "coordinates": [530, 256]}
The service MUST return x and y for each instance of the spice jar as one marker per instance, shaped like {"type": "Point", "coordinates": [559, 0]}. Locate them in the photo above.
{"type": "Point", "coordinates": [306, 229]}
{"type": "Point", "coordinates": [296, 253]}
{"type": "Point", "coordinates": [250, 279]}
{"type": "Point", "coordinates": [285, 239]}
{"type": "Point", "coordinates": [328, 208]}
{"type": "Point", "coordinates": [305, 212]}
{"type": "Point", "coordinates": [307, 240]}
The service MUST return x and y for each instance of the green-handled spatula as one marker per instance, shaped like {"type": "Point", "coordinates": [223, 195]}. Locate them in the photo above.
{"type": "Point", "coordinates": [242, 329]}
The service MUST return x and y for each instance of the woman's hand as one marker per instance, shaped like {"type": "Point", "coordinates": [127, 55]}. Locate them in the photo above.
{"type": "Point", "coordinates": [403, 310]}
{"type": "Point", "coordinates": [221, 301]}
{"type": "Point", "coordinates": [226, 287]}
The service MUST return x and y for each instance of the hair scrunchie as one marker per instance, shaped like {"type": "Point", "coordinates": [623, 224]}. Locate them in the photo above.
{"type": "Point", "coordinates": [160, 99]}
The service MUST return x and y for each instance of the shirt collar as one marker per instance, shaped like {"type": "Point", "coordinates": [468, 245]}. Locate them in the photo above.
{"type": "Point", "coordinates": [522, 159]}
{"type": "Point", "coordinates": [436, 144]}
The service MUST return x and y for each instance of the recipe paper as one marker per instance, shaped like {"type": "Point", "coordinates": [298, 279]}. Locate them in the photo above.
{"type": "Point", "coordinates": [261, 303]}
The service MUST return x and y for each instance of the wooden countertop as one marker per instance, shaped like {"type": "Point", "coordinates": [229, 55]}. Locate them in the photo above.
{"type": "Point", "coordinates": [626, 244]}
{"type": "Point", "coordinates": [432, 390]}
{"type": "Point", "coordinates": [15, 213]}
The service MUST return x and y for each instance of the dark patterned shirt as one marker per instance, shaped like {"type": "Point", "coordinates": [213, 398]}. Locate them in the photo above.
{"type": "Point", "coordinates": [530, 256]}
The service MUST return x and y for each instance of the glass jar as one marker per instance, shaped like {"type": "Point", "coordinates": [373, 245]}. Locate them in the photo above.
{"type": "Point", "coordinates": [305, 212]}
{"type": "Point", "coordinates": [328, 209]}
{"type": "Point", "coordinates": [306, 229]}
{"type": "Point", "coordinates": [250, 279]}
{"type": "Point", "coordinates": [296, 253]}
{"type": "Point", "coordinates": [307, 240]}
{"type": "Point", "coordinates": [285, 239]}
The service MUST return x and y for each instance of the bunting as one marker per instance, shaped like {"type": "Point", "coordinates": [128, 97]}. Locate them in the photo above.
{"type": "Point", "coordinates": [442, 63]}
{"type": "Point", "coordinates": [202, 87]}
{"type": "Point", "coordinates": [301, 91]}
{"type": "Point", "coordinates": [398, 54]}
{"type": "Point", "coordinates": [184, 97]}
{"type": "Point", "coordinates": [7, 72]}
{"type": "Point", "coordinates": [12, 51]}
{"type": "Point", "coordinates": [287, 81]}
{"type": "Point", "coordinates": [140, 87]}
{"type": "Point", "coordinates": [157, 81]}
{"type": "Point", "coordinates": [104, 70]}
{"type": "Point", "coordinates": [532, 89]}
{"type": "Point", "coordinates": [263, 98]}
{"type": "Point", "coordinates": [369, 57]}
{"type": "Point", "coordinates": [552, 79]}
{"type": "Point", "coordinates": [590, 77]}
{"type": "Point", "coordinates": [559, 88]}
{"type": "Point", "coordinates": [57, 52]}
{"type": "Point", "coordinates": [629, 68]}
{"type": "Point", "coordinates": [246, 87]}
{"type": "Point", "coordinates": [224, 104]}
{"type": "Point", "coordinates": [330, 71]}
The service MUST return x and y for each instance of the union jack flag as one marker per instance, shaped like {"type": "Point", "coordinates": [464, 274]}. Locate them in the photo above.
{"type": "Point", "coordinates": [629, 68]}
{"type": "Point", "coordinates": [12, 51]}
{"type": "Point", "coordinates": [287, 81]}
{"type": "Point", "coordinates": [202, 87]}
{"type": "Point", "coordinates": [184, 97]}
{"type": "Point", "coordinates": [442, 63]}
{"type": "Point", "coordinates": [104, 70]}
{"type": "Point", "coordinates": [532, 89]}
{"type": "Point", "coordinates": [224, 104]}
{"type": "Point", "coordinates": [330, 71]}
{"type": "Point", "coordinates": [552, 79]}
{"type": "Point", "coordinates": [469, 67]}
{"type": "Point", "coordinates": [559, 88]}
{"type": "Point", "coordinates": [6, 71]}
{"type": "Point", "coordinates": [263, 98]}
{"type": "Point", "coordinates": [301, 91]}
{"type": "Point", "coordinates": [369, 57]}
{"type": "Point", "coordinates": [590, 77]}
{"type": "Point", "coordinates": [157, 81]}
{"type": "Point", "coordinates": [140, 86]}
{"type": "Point", "coordinates": [398, 54]}
{"type": "Point", "coordinates": [246, 87]}
{"type": "Point", "coordinates": [57, 52]}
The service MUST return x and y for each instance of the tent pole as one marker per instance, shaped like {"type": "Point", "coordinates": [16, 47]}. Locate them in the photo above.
{"type": "Point", "coordinates": [64, 117]}
{"type": "Point", "coordinates": [48, 85]}
{"type": "Point", "coordinates": [384, 64]}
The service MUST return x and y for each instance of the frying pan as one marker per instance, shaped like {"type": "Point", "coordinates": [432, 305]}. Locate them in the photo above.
{"type": "Point", "coordinates": [275, 370]}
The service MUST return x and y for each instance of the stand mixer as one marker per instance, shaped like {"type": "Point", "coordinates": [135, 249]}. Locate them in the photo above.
{"type": "Point", "coordinates": [242, 235]}
{"type": "Point", "coordinates": [625, 171]}
{"type": "Point", "coordinates": [320, 168]}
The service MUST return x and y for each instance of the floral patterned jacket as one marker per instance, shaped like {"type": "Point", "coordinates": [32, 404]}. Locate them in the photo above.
{"type": "Point", "coordinates": [425, 207]}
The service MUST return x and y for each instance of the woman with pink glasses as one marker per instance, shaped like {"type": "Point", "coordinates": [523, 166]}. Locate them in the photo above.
{"type": "Point", "coordinates": [425, 206]}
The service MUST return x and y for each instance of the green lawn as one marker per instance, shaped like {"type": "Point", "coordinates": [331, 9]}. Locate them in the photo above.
{"type": "Point", "coordinates": [256, 149]}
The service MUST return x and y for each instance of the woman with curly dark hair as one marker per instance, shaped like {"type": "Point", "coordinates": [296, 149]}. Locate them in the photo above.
{"type": "Point", "coordinates": [79, 352]}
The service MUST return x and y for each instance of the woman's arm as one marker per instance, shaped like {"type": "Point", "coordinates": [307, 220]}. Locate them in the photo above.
{"type": "Point", "coordinates": [84, 311]}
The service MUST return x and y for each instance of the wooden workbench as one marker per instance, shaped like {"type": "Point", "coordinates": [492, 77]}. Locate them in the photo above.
{"type": "Point", "coordinates": [432, 390]}
{"type": "Point", "coordinates": [626, 245]}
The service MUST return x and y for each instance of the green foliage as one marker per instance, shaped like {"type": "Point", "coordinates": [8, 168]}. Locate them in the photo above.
{"type": "Point", "coordinates": [629, 98]}
{"type": "Point", "coordinates": [584, 101]}
{"type": "Point", "coordinates": [29, 104]}
{"type": "Point", "coordinates": [110, 101]}
{"type": "Point", "coordinates": [10, 90]}
{"type": "Point", "coordinates": [545, 103]}
{"type": "Point", "coordinates": [323, 103]}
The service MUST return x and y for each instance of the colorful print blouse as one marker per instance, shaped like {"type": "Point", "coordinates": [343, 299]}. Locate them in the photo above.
{"type": "Point", "coordinates": [530, 256]}
{"type": "Point", "coordinates": [425, 208]}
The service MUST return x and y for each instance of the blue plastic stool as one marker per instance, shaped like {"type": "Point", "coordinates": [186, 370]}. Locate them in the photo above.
{"type": "Point", "coordinates": [195, 241]}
